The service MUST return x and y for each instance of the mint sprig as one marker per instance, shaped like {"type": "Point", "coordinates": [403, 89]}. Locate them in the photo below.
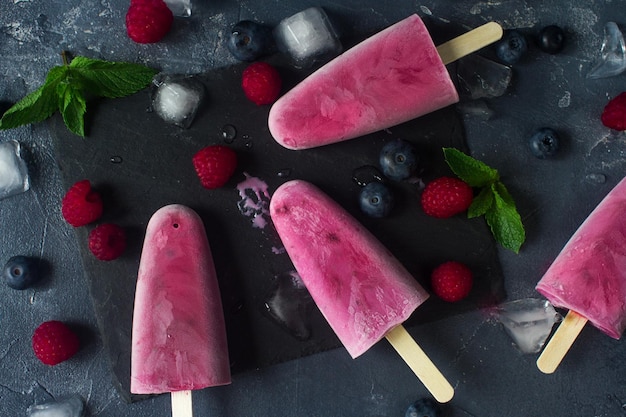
{"type": "Point", "coordinates": [493, 200]}
{"type": "Point", "coordinates": [66, 87]}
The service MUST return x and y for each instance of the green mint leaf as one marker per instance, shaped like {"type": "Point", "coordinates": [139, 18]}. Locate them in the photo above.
{"type": "Point", "coordinates": [470, 170]}
{"type": "Point", "coordinates": [481, 203]}
{"type": "Point", "coordinates": [72, 106]}
{"type": "Point", "coordinates": [36, 106]}
{"type": "Point", "coordinates": [111, 79]}
{"type": "Point", "coordinates": [65, 87]}
{"type": "Point", "coordinates": [504, 220]}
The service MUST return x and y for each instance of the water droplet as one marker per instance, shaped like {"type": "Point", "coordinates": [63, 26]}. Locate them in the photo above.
{"type": "Point", "coordinates": [116, 159]}
{"type": "Point", "coordinates": [365, 174]}
{"type": "Point", "coordinates": [284, 173]}
{"type": "Point", "coordinates": [229, 133]}
{"type": "Point", "coordinates": [249, 144]}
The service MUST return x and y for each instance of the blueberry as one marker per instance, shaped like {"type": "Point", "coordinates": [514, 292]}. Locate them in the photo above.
{"type": "Point", "coordinates": [544, 143]}
{"type": "Point", "coordinates": [511, 47]}
{"type": "Point", "coordinates": [249, 40]}
{"type": "Point", "coordinates": [551, 39]}
{"type": "Point", "coordinates": [20, 272]}
{"type": "Point", "coordinates": [424, 407]}
{"type": "Point", "coordinates": [398, 160]}
{"type": "Point", "coordinates": [376, 199]}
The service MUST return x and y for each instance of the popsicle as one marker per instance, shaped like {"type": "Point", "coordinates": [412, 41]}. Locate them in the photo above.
{"type": "Point", "coordinates": [179, 335]}
{"type": "Point", "coordinates": [392, 77]}
{"type": "Point", "coordinates": [362, 290]}
{"type": "Point", "coordinates": [588, 278]}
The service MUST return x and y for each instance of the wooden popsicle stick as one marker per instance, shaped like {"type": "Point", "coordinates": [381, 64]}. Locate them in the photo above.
{"type": "Point", "coordinates": [469, 42]}
{"type": "Point", "coordinates": [181, 404]}
{"type": "Point", "coordinates": [420, 364]}
{"type": "Point", "coordinates": [561, 341]}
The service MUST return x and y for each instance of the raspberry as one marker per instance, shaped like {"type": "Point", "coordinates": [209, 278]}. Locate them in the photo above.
{"type": "Point", "coordinates": [54, 342]}
{"type": "Point", "coordinates": [148, 21]}
{"type": "Point", "coordinates": [446, 197]}
{"type": "Point", "coordinates": [261, 83]}
{"type": "Point", "coordinates": [614, 114]}
{"type": "Point", "coordinates": [451, 281]}
{"type": "Point", "coordinates": [81, 205]}
{"type": "Point", "coordinates": [215, 165]}
{"type": "Point", "coordinates": [107, 241]}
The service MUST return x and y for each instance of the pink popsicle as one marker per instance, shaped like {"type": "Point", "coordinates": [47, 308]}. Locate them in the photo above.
{"type": "Point", "coordinates": [589, 275]}
{"type": "Point", "coordinates": [362, 290]}
{"type": "Point", "coordinates": [179, 336]}
{"type": "Point", "coordinates": [390, 78]}
{"type": "Point", "coordinates": [359, 286]}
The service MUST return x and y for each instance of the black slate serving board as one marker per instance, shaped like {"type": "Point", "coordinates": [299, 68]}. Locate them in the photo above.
{"type": "Point", "coordinates": [139, 163]}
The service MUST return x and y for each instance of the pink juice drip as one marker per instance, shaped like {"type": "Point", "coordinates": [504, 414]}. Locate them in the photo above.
{"type": "Point", "coordinates": [254, 200]}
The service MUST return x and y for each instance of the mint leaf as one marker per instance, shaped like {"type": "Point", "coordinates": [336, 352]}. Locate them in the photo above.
{"type": "Point", "coordinates": [493, 201]}
{"type": "Point", "coordinates": [36, 106]}
{"type": "Point", "coordinates": [65, 88]}
{"type": "Point", "coordinates": [470, 170]}
{"type": "Point", "coordinates": [504, 220]}
{"type": "Point", "coordinates": [72, 106]}
{"type": "Point", "coordinates": [481, 203]}
{"type": "Point", "coordinates": [111, 79]}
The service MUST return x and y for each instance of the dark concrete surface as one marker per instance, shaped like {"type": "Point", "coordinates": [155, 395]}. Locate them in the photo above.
{"type": "Point", "coordinates": [490, 376]}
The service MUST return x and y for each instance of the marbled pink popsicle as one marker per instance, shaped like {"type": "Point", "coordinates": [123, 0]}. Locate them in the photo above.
{"type": "Point", "coordinates": [589, 275]}
{"type": "Point", "coordinates": [390, 78]}
{"type": "Point", "coordinates": [179, 336]}
{"type": "Point", "coordinates": [359, 286]}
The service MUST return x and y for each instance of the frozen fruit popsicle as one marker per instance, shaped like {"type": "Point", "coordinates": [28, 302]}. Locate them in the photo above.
{"type": "Point", "coordinates": [589, 278]}
{"type": "Point", "coordinates": [362, 290]}
{"type": "Point", "coordinates": [390, 78]}
{"type": "Point", "coordinates": [179, 335]}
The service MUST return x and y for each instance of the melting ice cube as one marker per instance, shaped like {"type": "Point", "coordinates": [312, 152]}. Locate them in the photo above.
{"type": "Point", "coordinates": [289, 303]}
{"type": "Point", "coordinates": [307, 37]}
{"type": "Point", "coordinates": [612, 55]}
{"type": "Point", "coordinates": [528, 321]}
{"type": "Point", "coordinates": [14, 177]}
{"type": "Point", "coordinates": [482, 78]}
{"type": "Point", "coordinates": [181, 8]}
{"type": "Point", "coordinates": [176, 99]}
{"type": "Point", "coordinates": [71, 406]}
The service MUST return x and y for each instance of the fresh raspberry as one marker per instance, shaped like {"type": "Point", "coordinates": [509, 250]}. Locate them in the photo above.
{"type": "Point", "coordinates": [614, 114]}
{"type": "Point", "coordinates": [261, 83]}
{"type": "Point", "coordinates": [148, 21]}
{"type": "Point", "coordinates": [451, 281]}
{"type": "Point", "coordinates": [81, 205]}
{"type": "Point", "coordinates": [107, 241]}
{"type": "Point", "coordinates": [54, 342]}
{"type": "Point", "coordinates": [215, 165]}
{"type": "Point", "coordinates": [446, 197]}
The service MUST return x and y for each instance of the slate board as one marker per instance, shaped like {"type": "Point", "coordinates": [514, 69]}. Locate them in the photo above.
{"type": "Point", "coordinates": [139, 163]}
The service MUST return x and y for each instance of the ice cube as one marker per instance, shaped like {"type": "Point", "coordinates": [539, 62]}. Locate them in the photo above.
{"type": "Point", "coordinates": [528, 321]}
{"type": "Point", "coordinates": [70, 406]}
{"type": "Point", "coordinates": [482, 78]}
{"type": "Point", "coordinates": [181, 8]}
{"type": "Point", "coordinates": [14, 178]}
{"type": "Point", "coordinates": [289, 303]}
{"type": "Point", "coordinates": [612, 55]}
{"type": "Point", "coordinates": [308, 37]}
{"type": "Point", "coordinates": [176, 99]}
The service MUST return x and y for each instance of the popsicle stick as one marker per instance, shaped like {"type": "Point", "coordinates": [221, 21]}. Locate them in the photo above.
{"type": "Point", "coordinates": [420, 364]}
{"type": "Point", "coordinates": [469, 42]}
{"type": "Point", "coordinates": [182, 404]}
{"type": "Point", "coordinates": [561, 341]}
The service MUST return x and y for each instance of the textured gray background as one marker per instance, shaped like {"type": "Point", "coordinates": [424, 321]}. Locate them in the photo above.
{"type": "Point", "coordinates": [491, 378]}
